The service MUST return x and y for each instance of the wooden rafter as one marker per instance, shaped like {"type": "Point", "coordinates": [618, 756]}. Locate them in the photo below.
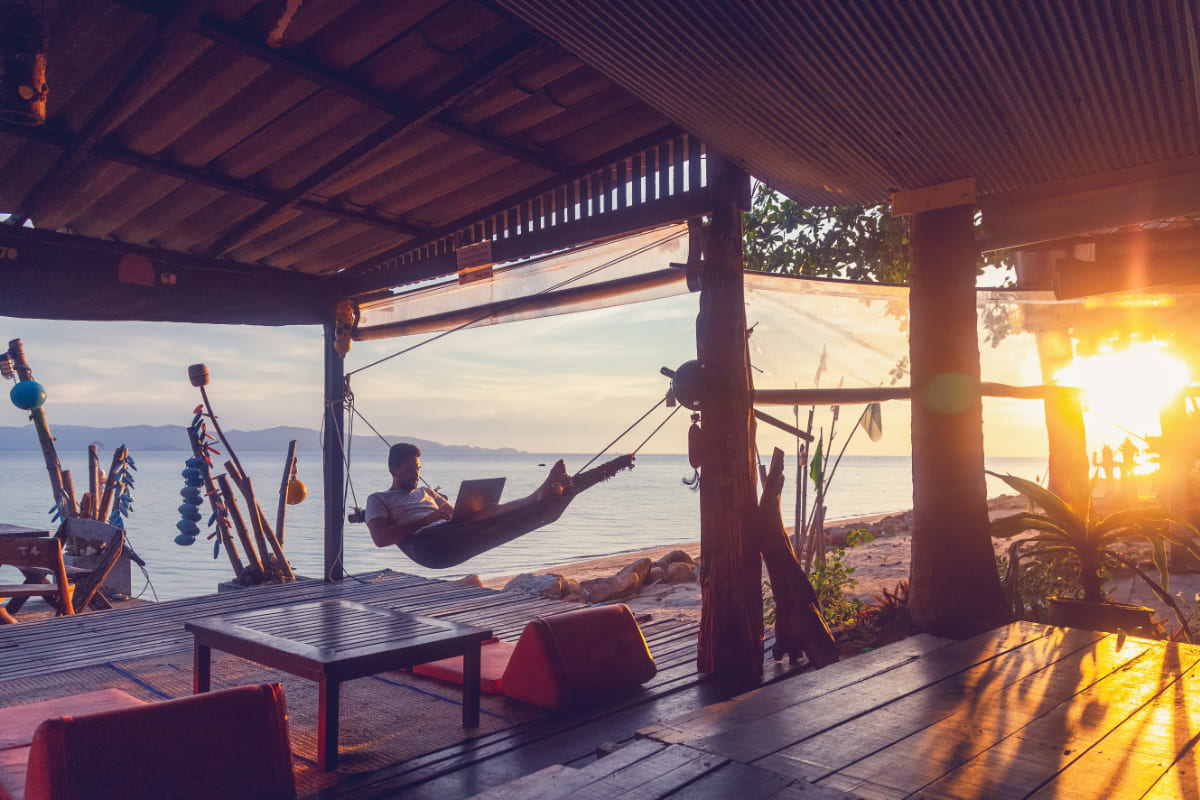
{"type": "Point", "coordinates": [221, 34]}
{"type": "Point", "coordinates": [113, 107]}
{"type": "Point", "coordinates": [484, 72]}
{"type": "Point", "coordinates": [107, 150]}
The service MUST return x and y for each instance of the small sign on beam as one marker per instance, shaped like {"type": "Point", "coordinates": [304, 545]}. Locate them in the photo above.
{"type": "Point", "coordinates": [474, 262]}
{"type": "Point", "coordinates": [929, 198]}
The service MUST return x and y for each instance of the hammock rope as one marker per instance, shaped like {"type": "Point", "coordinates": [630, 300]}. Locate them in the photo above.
{"type": "Point", "coordinates": [438, 550]}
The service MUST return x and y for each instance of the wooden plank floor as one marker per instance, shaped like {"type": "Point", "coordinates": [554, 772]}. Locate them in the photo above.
{"type": "Point", "coordinates": [1026, 711]}
{"type": "Point", "coordinates": [35, 649]}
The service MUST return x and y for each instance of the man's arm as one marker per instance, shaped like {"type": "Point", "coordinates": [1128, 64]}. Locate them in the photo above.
{"type": "Point", "coordinates": [386, 533]}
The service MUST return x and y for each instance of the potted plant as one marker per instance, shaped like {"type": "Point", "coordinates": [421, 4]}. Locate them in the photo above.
{"type": "Point", "coordinates": [1062, 529]}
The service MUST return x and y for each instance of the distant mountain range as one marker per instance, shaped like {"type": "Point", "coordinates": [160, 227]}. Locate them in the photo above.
{"type": "Point", "coordinates": [142, 438]}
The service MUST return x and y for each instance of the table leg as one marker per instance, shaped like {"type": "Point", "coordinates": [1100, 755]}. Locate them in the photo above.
{"type": "Point", "coordinates": [201, 668]}
{"type": "Point", "coordinates": [327, 723]}
{"type": "Point", "coordinates": [471, 669]}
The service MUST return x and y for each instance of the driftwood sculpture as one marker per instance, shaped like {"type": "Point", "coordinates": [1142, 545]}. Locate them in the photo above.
{"type": "Point", "coordinates": [799, 626]}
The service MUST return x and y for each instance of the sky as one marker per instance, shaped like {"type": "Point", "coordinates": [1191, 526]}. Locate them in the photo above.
{"type": "Point", "coordinates": [567, 384]}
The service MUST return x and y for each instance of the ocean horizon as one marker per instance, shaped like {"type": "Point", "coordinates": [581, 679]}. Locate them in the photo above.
{"type": "Point", "coordinates": [647, 506]}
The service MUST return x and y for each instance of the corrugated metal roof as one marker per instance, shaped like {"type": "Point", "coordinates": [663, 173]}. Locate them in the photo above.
{"type": "Point", "coordinates": [357, 138]}
{"type": "Point", "coordinates": [307, 141]}
{"type": "Point", "coordinates": [833, 101]}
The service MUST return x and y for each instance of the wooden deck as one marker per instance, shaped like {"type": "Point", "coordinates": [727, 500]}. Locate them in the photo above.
{"type": "Point", "coordinates": [1025, 711]}
{"type": "Point", "coordinates": [139, 644]}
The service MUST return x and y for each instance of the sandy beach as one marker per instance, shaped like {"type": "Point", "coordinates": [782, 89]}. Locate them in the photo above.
{"type": "Point", "coordinates": [878, 565]}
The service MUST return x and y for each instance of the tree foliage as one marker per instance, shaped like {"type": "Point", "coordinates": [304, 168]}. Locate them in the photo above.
{"type": "Point", "coordinates": [860, 243]}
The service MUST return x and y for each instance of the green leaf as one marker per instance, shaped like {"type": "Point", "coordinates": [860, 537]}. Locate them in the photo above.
{"type": "Point", "coordinates": [814, 471]}
{"type": "Point", "coordinates": [1056, 509]}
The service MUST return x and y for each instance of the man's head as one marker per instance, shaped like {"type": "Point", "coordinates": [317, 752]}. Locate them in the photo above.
{"type": "Point", "coordinates": [404, 462]}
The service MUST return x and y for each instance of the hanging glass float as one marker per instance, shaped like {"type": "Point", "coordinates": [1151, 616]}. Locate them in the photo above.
{"type": "Point", "coordinates": [27, 395]}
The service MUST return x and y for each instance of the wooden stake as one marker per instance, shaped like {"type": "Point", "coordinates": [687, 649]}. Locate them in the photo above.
{"type": "Point", "coordinates": [289, 469]}
{"type": "Point", "coordinates": [68, 489]}
{"type": "Point", "coordinates": [110, 482]}
{"type": "Point", "coordinates": [16, 352]}
{"type": "Point", "coordinates": [235, 514]}
{"type": "Point", "coordinates": [263, 535]}
{"type": "Point", "coordinates": [94, 480]}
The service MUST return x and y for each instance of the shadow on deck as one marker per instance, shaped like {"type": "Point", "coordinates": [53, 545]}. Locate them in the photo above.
{"type": "Point", "coordinates": [400, 733]}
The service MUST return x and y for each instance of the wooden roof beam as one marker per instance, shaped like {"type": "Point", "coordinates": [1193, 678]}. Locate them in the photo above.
{"type": "Point", "coordinates": [114, 106]}
{"type": "Point", "coordinates": [213, 30]}
{"type": "Point", "coordinates": [202, 177]}
{"type": "Point", "coordinates": [1081, 206]}
{"type": "Point", "coordinates": [470, 81]}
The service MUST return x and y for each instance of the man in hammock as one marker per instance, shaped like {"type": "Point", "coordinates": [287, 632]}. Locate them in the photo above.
{"type": "Point", "coordinates": [394, 516]}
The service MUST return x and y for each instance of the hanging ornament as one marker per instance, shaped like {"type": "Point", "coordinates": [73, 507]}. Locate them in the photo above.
{"type": "Point", "coordinates": [27, 395]}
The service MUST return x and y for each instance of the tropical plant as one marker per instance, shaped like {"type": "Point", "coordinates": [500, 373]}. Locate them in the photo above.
{"type": "Point", "coordinates": [1061, 529]}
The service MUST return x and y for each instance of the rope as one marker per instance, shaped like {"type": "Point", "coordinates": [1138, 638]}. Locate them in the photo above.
{"type": "Point", "coordinates": [622, 434]}
{"type": "Point", "coordinates": [656, 430]}
{"type": "Point", "coordinates": [513, 303]}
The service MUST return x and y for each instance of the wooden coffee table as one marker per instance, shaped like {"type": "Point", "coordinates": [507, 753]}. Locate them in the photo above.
{"type": "Point", "coordinates": [331, 641]}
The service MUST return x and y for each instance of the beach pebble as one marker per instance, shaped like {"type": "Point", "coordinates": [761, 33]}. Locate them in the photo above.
{"type": "Point", "coordinates": [548, 586]}
{"type": "Point", "coordinates": [625, 583]}
{"type": "Point", "coordinates": [674, 557]}
{"type": "Point", "coordinates": [681, 572]}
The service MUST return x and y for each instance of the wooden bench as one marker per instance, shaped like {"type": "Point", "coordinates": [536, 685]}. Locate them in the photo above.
{"type": "Point", "coordinates": [36, 552]}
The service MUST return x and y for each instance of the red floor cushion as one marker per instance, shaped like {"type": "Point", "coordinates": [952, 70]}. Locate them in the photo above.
{"type": "Point", "coordinates": [578, 656]}
{"type": "Point", "coordinates": [494, 657]}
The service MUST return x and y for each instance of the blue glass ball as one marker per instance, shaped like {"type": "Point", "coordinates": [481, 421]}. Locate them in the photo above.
{"type": "Point", "coordinates": [185, 540]}
{"type": "Point", "coordinates": [28, 395]}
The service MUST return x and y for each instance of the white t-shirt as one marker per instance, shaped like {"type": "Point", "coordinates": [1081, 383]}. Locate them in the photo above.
{"type": "Point", "coordinates": [400, 507]}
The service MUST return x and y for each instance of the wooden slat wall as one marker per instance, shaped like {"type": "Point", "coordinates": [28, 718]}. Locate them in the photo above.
{"type": "Point", "coordinates": [651, 177]}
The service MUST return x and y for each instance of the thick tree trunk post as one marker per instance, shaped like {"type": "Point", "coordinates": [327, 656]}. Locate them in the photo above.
{"type": "Point", "coordinates": [954, 589]}
{"type": "Point", "coordinates": [799, 626]}
{"type": "Point", "coordinates": [1068, 473]}
{"type": "Point", "coordinates": [731, 625]}
{"type": "Point", "coordinates": [335, 420]}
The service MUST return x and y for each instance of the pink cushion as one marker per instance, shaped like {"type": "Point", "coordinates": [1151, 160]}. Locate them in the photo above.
{"type": "Point", "coordinates": [493, 657]}
{"type": "Point", "coordinates": [229, 743]}
{"type": "Point", "coordinates": [17, 723]}
{"type": "Point", "coordinates": [12, 772]}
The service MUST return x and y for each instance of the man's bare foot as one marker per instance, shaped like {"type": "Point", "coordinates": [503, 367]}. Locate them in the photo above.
{"type": "Point", "coordinates": [556, 482]}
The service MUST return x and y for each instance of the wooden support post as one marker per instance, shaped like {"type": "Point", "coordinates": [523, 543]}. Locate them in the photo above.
{"type": "Point", "coordinates": [731, 625]}
{"type": "Point", "coordinates": [335, 420]}
{"type": "Point", "coordinates": [954, 589]}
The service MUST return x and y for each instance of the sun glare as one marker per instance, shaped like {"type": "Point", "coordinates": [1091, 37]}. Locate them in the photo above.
{"type": "Point", "coordinates": [1127, 388]}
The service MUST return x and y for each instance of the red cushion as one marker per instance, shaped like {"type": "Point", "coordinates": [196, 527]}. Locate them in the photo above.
{"type": "Point", "coordinates": [494, 657]}
{"type": "Point", "coordinates": [230, 743]}
{"type": "Point", "coordinates": [582, 655]}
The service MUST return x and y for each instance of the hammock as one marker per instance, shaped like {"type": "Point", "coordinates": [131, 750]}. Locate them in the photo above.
{"type": "Point", "coordinates": [449, 544]}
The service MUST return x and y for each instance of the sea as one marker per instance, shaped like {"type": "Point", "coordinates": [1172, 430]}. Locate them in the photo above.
{"type": "Point", "coordinates": [648, 506]}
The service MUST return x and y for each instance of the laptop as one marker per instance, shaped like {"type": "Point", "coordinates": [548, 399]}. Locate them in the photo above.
{"type": "Point", "coordinates": [476, 495]}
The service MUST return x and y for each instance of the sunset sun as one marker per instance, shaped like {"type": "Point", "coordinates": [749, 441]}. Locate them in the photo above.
{"type": "Point", "coordinates": [1126, 388]}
